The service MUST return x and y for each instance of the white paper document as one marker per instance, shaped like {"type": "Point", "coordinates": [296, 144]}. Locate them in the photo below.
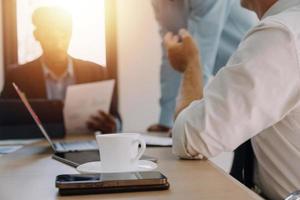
{"type": "Point", "coordinates": [18, 142]}
{"type": "Point", "coordinates": [153, 140]}
{"type": "Point", "coordinates": [84, 101]}
{"type": "Point", "coordinates": [9, 149]}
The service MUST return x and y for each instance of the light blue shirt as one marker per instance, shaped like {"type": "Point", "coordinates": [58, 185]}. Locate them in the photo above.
{"type": "Point", "coordinates": [216, 25]}
{"type": "Point", "coordinates": [56, 86]}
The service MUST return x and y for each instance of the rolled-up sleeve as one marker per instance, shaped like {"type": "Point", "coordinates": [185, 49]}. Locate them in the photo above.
{"type": "Point", "coordinates": [258, 88]}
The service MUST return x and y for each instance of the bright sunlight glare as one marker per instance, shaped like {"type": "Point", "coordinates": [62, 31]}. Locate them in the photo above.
{"type": "Point", "coordinates": [88, 39]}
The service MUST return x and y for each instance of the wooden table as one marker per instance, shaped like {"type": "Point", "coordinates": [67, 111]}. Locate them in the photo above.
{"type": "Point", "coordinates": [29, 174]}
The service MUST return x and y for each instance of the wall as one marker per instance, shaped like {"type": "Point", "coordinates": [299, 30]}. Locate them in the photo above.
{"type": "Point", "coordinates": [139, 60]}
{"type": "Point", "coordinates": [1, 51]}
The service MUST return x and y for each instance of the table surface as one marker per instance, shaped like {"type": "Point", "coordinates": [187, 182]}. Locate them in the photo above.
{"type": "Point", "coordinates": [29, 174]}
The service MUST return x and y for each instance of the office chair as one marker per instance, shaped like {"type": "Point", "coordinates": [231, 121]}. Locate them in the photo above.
{"type": "Point", "coordinates": [243, 164]}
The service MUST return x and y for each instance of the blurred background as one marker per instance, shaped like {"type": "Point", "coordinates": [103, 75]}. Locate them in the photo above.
{"type": "Point", "coordinates": [138, 50]}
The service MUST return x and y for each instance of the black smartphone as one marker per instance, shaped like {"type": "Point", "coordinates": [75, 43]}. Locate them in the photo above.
{"type": "Point", "coordinates": [77, 184]}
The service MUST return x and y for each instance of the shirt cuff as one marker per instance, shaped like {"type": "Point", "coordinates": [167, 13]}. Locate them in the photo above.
{"type": "Point", "coordinates": [181, 146]}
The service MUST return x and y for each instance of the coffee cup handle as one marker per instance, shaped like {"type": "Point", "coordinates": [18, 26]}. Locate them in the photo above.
{"type": "Point", "coordinates": [141, 150]}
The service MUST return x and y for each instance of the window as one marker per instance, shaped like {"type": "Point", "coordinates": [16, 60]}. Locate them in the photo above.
{"type": "Point", "coordinates": [88, 37]}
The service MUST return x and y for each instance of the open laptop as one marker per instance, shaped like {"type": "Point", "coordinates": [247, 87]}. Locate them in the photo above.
{"type": "Point", "coordinates": [16, 122]}
{"type": "Point", "coordinates": [58, 147]}
{"type": "Point", "coordinates": [70, 153]}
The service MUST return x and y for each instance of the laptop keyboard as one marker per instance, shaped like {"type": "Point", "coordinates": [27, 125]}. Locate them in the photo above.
{"type": "Point", "coordinates": [76, 146]}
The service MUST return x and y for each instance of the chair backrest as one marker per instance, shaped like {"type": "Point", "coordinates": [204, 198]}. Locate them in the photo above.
{"type": "Point", "coordinates": [243, 164]}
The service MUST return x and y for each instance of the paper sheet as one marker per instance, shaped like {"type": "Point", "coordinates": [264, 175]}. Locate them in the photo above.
{"type": "Point", "coordinates": [85, 100]}
{"type": "Point", "coordinates": [154, 140]}
{"type": "Point", "coordinates": [18, 142]}
{"type": "Point", "coordinates": [9, 149]}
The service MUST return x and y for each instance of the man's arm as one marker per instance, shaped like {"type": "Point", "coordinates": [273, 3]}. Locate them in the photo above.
{"type": "Point", "coordinates": [184, 57]}
{"type": "Point", "coordinates": [258, 88]}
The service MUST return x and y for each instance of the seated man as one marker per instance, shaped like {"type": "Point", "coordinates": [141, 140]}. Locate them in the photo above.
{"type": "Point", "coordinates": [255, 96]}
{"type": "Point", "coordinates": [50, 75]}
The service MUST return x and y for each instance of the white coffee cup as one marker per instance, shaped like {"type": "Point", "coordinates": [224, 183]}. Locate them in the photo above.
{"type": "Point", "coordinates": [120, 152]}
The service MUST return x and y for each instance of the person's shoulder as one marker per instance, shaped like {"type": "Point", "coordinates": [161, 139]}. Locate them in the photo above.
{"type": "Point", "coordinates": [24, 69]}
{"type": "Point", "coordinates": [87, 65]}
{"type": "Point", "coordinates": [281, 25]}
{"type": "Point", "coordinates": [289, 17]}
{"type": "Point", "coordinates": [286, 21]}
{"type": "Point", "coordinates": [87, 71]}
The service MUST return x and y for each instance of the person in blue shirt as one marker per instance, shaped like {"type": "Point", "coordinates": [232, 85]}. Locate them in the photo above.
{"type": "Point", "coordinates": [217, 26]}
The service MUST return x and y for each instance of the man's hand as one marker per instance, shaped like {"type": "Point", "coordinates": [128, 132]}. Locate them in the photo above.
{"type": "Point", "coordinates": [103, 122]}
{"type": "Point", "coordinates": [185, 57]}
{"type": "Point", "coordinates": [181, 53]}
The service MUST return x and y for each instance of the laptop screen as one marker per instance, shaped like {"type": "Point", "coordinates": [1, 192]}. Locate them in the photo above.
{"type": "Point", "coordinates": [33, 115]}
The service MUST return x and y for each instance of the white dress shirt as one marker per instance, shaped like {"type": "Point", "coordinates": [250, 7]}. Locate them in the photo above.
{"type": "Point", "coordinates": [257, 95]}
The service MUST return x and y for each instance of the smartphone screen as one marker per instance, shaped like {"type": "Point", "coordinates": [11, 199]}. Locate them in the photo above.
{"type": "Point", "coordinates": [110, 180]}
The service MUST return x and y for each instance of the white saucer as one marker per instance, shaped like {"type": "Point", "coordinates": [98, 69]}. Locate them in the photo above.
{"type": "Point", "coordinates": [95, 167]}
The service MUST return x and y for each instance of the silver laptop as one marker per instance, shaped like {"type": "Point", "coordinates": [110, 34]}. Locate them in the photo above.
{"type": "Point", "coordinates": [58, 147]}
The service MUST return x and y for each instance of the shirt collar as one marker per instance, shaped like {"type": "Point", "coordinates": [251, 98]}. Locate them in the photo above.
{"type": "Point", "coordinates": [280, 6]}
{"type": "Point", "coordinates": [51, 74]}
